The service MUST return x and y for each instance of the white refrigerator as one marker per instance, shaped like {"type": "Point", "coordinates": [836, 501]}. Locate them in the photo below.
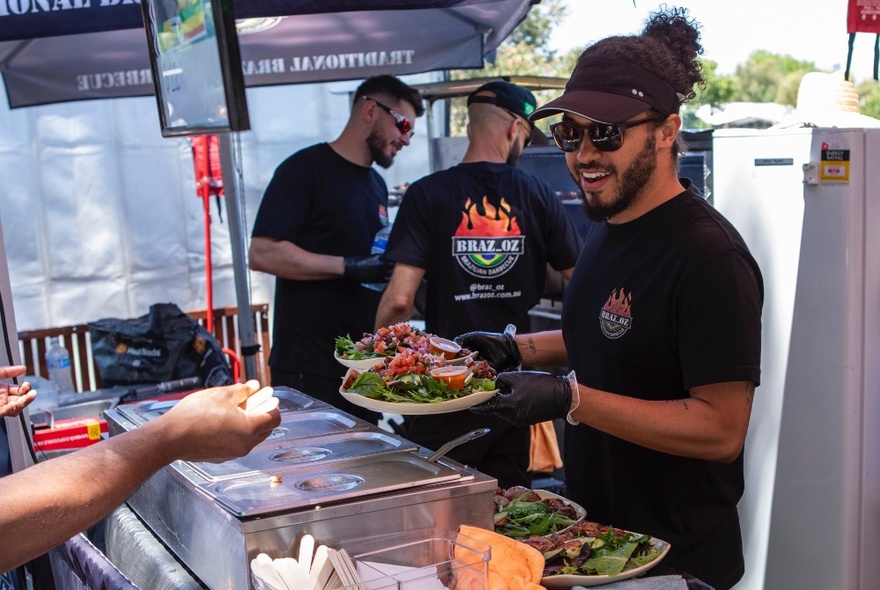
{"type": "Point", "coordinates": [807, 202]}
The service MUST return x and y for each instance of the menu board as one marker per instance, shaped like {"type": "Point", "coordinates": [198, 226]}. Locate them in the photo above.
{"type": "Point", "coordinates": [196, 66]}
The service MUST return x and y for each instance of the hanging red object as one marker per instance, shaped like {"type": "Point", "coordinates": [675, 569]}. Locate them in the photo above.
{"type": "Point", "coordinates": [209, 182]}
{"type": "Point", "coordinates": [863, 16]}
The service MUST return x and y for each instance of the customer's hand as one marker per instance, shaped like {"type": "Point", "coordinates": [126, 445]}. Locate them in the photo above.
{"type": "Point", "coordinates": [368, 269]}
{"type": "Point", "coordinates": [498, 349]}
{"type": "Point", "coordinates": [212, 424]}
{"type": "Point", "coordinates": [528, 397]}
{"type": "Point", "coordinates": [14, 398]}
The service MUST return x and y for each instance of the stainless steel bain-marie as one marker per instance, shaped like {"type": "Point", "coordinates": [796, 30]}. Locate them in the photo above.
{"type": "Point", "coordinates": [322, 471]}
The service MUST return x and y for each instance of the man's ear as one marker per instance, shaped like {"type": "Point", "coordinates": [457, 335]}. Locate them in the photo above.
{"type": "Point", "coordinates": [669, 130]}
{"type": "Point", "coordinates": [513, 129]}
{"type": "Point", "coordinates": [369, 109]}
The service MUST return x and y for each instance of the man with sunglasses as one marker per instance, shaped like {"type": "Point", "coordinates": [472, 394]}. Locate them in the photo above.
{"type": "Point", "coordinates": [314, 231]}
{"type": "Point", "coordinates": [481, 233]}
{"type": "Point", "coordinates": [661, 322]}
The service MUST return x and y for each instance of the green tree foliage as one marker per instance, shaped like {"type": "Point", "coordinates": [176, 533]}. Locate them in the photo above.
{"type": "Point", "coordinates": [524, 53]}
{"type": "Point", "coordinates": [869, 97]}
{"type": "Point", "coordinates": [717, 91]}
{"type": "Point", "coordinates": [534, 31]}
{"type": "Point", "coordinates": [769, 77]}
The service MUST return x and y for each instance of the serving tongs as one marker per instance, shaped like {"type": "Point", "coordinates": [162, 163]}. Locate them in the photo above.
{"type": "Point", "coordinates": [472, 435]}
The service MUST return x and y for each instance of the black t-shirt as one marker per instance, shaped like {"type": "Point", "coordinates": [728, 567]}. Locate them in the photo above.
{"type": "Point", "coordinates": [669, 301]}
{"type": "Point", "coordinates": [324, 204]}
{"type": "Point", "coordinates": [484, 233]}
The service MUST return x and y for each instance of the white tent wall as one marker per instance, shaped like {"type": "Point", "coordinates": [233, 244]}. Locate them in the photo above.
{"type": "Point", "coordinates": [101, 213]}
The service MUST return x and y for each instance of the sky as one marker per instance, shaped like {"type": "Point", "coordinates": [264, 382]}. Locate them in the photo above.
{"type": "Point", "coordinates": [807, 30]}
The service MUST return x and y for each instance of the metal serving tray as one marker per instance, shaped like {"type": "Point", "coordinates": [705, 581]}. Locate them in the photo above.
{"type": "Point", "coordinates": [355, 479]}
{"type": "Point", "coordinates": [304, 454]}
{"type": "Point", "coordinates": [311, 423]}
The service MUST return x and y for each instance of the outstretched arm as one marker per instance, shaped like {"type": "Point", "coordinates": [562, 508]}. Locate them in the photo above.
{"type": "Point", "coordinates": [51, 501]}
{"type": "Point", "coordinates": [711, 424]}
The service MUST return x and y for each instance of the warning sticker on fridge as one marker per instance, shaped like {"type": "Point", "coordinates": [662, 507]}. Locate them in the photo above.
{"type": "Point", "coordinates": [835, 163]}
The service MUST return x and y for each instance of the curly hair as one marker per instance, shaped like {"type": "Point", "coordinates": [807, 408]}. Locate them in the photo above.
{"type": "Point", "coordinates": [668, 47]}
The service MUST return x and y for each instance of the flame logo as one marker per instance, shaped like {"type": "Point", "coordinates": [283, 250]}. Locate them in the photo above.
{"type": "Point", "coordinates": [488, 241]}
{"type": "Point", "coordinates": [496, 221]}
{"type": "Point", "coordinates": [615, 317]}
{"type": "Point", "coordinates": [618, 302]}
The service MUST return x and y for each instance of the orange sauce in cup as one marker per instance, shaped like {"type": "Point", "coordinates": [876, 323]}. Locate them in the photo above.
{"type": "Point", "coordinates": [453, 377]}
{"type": "Point", "coordinates": [447, 348]}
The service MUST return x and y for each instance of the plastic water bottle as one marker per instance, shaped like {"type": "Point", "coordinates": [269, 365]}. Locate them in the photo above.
{"type": "Point", "coordinates": [380, 242]}
{"type": "Point", "coordinates": [58, 366]}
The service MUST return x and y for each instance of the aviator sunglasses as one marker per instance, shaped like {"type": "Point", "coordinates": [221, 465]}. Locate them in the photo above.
{"type": "Point", "coordinates": [605, 137]}
{"type": "Point", "coordinates": [402, 123]}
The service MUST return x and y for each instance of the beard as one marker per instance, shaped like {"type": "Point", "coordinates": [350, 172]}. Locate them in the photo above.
{"type": "Point", "coordinates": [632, 182]}
{"type": "Point", "coordinates": [514, 154]}
{"type": "Point", "coordinates": [377, 150]}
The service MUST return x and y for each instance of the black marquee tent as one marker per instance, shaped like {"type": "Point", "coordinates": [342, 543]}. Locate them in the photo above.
{"type": "Point", "coordinates": [65, 50]}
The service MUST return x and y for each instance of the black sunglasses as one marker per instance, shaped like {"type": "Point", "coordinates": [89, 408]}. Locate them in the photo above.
{"type": "Point", "coordinates": [605, 137]}
{"type": "Point", "coordinates": [402, 123]}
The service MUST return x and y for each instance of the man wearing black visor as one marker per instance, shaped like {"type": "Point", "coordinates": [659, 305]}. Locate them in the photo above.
{"type": "Point", "coordinates": [661, 324]}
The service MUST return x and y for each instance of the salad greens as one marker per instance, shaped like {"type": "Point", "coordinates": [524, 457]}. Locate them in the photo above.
{"type": "Point", "coordinates": [414, 387]}
{"type": "Point", "coordinates": [521, 519]}
{"type": "Point", "coordinates": [345, 348]}
{"type": "Point", "coordinates": [607, 554]}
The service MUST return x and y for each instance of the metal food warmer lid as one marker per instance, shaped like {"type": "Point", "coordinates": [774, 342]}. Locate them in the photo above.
{"type": "Point", "coordinates": [259, 495]}
{"type": "Point", "coordinates": [304, 453]}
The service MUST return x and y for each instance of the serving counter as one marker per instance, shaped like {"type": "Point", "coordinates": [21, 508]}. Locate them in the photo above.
{"type": "Point", "coordinates": [321, 471]}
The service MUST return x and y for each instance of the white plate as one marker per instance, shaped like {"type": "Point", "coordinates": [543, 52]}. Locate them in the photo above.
{"type": "Point", "coordinates": [416, 408]}
{"type": "Point", "coordinates": [359, 364]}
{"type": "Point", "coordinates": [567, 581]}
{"type": "Point", "coordinates": [366, 364]}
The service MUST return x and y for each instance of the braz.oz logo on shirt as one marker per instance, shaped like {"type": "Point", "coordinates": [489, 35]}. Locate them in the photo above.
{"type": "Point", "coordinates": [615, 318]}
{"type": "Point", "coordinates": [488, 240]}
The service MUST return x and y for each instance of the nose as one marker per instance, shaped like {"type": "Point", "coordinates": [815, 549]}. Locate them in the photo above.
{"type": "Point", "coordinates": [405, 138]}
{"type": "Point", "coordinates": [586, 150]}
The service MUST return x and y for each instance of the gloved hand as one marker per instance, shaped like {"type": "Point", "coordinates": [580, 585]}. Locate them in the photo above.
{"type": "Point", "coordinates": [529, 397]}
{"type": "Point", "coordinates": [368, 269]}
{"type": "Point", "coordinates": [498, 349]}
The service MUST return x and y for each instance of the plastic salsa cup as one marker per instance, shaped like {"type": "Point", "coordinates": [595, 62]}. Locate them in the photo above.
{"type": "Point", "coordinates": [453, 377]}
{"type": "Point", "coordinates": [447, 348]}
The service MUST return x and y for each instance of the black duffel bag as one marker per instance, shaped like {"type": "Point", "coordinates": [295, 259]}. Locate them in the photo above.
{"type": "Point", "coordinates": [164, 345]}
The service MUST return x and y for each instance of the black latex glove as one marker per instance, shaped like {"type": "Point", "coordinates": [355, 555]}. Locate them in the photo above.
{"type": "Point", "coordinates": [498, 349]}
{"type": "Point", "coordinates": [528, 397]}
{"type": "Point", "coordinates": [368, 269]}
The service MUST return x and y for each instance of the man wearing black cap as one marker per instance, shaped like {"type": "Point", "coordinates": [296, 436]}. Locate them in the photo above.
{"type": "Point", "coordinates": [661, 323]}
{"type": "Point", "coordinates": [481, 233]}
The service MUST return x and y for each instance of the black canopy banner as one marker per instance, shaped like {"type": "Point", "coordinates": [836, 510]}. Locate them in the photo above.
{"type": "Point", "coordinates": [31, 19]}
{"type": "Point", "coordinates": [315, 47]}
